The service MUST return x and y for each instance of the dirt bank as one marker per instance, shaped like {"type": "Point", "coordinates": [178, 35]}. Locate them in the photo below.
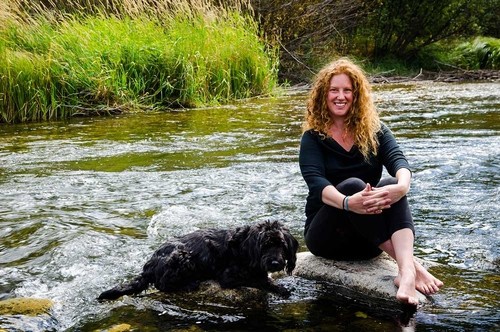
{"type": "Point", "coordinates": [454, 76]}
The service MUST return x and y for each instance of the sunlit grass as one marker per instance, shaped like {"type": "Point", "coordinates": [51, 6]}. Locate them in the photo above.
{"type": "Point", "coordinates": [480, 53]}
{"type": "Point", "coordinates": [57, 64]}
{"type": "Point", "coordinates": [465, 54]}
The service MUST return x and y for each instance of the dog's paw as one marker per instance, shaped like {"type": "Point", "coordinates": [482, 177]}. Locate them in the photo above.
{"type": "Point", "coordinates": [111, 294]}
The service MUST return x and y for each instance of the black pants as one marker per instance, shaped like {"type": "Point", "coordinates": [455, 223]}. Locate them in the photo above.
{"type": "Point", "coordinates": [337, 234]}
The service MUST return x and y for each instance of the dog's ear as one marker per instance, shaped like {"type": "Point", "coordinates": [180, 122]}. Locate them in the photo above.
{"type": "Point", "coordinates": [240, 234]}
{"type": "Point", "coordinates": [246, 243]}
{"type": "Point", "coordinates": [292, 247]}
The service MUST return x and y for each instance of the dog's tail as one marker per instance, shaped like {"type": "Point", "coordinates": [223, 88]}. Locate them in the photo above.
{"type": "Point", "coordinates": [134, 287]}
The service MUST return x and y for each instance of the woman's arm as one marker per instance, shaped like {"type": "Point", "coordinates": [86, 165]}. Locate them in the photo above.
{"type": "Point", "coordinates": [312, 166]}
{"type": "Point", "coordinates": [378, 199]}
{"type": "Point", "coordinates": [397, 165]}
{"type": "Point", "coordinates": [403, 187]}
{"type": "Point", "coordinates": [331, 196]}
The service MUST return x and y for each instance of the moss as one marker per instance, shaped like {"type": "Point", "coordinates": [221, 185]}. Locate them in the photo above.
{"type": "Point", "coordinates": [120, 328]}
{"type": "Point", "coordinates": [25, 306]}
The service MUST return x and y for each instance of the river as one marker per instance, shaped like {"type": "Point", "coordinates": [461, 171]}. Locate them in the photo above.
{"type": "Point", "coordinates": [84, 203]}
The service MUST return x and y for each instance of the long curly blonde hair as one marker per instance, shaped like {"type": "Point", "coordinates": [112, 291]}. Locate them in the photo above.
{"type": "Point", "coordinates": [362, 119]}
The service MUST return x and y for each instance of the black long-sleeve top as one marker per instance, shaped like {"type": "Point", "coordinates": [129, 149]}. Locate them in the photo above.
{"type": "Point", "coordinates": [324, 162]}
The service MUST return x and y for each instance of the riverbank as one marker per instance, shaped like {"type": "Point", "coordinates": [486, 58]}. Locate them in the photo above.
{"type": "Point", "coordinates": [452, 76]}
{"type": "Point", "coordinates": [64, 60]}
{"type": "Point", "coordinates": [81, 63]}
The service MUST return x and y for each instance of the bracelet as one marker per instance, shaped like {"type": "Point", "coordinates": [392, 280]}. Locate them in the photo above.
{"type": "Point", "coordinates": [345, 203]}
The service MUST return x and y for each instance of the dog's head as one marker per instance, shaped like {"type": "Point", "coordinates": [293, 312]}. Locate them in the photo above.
{"type": "Point", "coordinates": [268, 245]}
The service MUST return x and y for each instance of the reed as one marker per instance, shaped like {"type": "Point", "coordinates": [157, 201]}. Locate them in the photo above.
{"type": "Point", "coordinates": [480, 53]}
{"type": "Point", "coordinates": [89, 57]}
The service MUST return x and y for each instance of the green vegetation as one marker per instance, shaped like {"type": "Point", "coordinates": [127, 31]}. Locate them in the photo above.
{"type": "Point", "coordinates": [393, 36]}
{"type": "Point", "coordinates": [466, 53]}
{"type": "Point", "coordinates": [61, 58]}
{"type": "Point", "coordinates": [480, 53]}
{"type": "Point", "coordinates": [87, 62]}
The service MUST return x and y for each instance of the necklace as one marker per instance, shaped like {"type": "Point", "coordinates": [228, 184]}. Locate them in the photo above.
{"type": "Point", "coordinates": [344, 134]}
{"type": "Point", "coordinates": [342, 137]}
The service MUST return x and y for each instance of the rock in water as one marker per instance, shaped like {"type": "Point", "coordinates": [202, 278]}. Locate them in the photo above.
{"type": "Point", "coordinates": [25, 306]}
{"type": "Point", "coordinates": [27, 314]}
{"type": "Point", "coordinates": [368, 282]}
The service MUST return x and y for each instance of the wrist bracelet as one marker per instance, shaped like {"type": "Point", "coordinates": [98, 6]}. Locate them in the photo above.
{"type": "Point", "coordinates": [345, 203]}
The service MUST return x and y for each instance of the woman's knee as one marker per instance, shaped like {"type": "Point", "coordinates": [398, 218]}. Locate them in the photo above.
{"type": "Point", "coordinates": [387, 181]}
{"type": "Point", "coordinates": [351, 186]}
{"type": "Point", "coordinates": [314, 245]}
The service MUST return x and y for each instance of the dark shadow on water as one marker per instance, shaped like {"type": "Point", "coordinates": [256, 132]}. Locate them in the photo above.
{"type": "Point", "coordinates": [313, 306]}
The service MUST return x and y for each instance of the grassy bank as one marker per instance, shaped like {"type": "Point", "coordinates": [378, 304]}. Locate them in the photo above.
{"type": "Point", "coordinates": [62, 58]}
{"type": "Point", "coordinates": [467, 54]}
{"type": "Point", "coordinates": [453, 56]}
{"type": "Point", "coordinates": [165, 54]}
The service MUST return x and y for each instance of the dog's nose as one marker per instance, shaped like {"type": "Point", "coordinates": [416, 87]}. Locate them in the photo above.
{"type": "Point", "coordinates": [276, 265]}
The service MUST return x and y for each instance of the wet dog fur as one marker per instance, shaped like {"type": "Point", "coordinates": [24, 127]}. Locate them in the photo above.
{"type": "Point", "coordinates": [241, 257]}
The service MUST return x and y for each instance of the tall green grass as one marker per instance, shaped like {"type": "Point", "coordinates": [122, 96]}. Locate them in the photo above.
{"type": "Point", "coordinates": [480, 53]}
{"type": "Point", "coordinates": [55, 65]}
{"type": "Point", "coordinates": [469, 54]}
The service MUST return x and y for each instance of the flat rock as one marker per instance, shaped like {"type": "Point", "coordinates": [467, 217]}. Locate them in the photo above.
{"type": "Point", "coordinates": [368, 282]}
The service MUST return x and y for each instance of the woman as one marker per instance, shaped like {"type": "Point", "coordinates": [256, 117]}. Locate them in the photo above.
{"type": "Point", "coordinates": [343, 150]}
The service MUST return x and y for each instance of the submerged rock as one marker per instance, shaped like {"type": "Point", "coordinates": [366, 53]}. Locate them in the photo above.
{"type": "Point", "coordinates": [120, 328]}
{"type": "Point", "coordinates": [27, 314]}
{"type": "Point", "coordinates": [25, 306]}
{"type": "Point", "coordinates": [368, 282]}
{"type": "Point", "coordinates": [210, 293]}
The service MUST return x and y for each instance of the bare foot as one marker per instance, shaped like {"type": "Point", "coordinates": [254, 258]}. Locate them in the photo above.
{"type": "Point", "coordinates": [425, 282]}
{"type": "Point", "coordinates": [407, 293]}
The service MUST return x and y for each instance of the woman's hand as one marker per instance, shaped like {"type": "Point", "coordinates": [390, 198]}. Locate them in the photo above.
{"type": "Point", "coordinates": [374, 200]}
{"type": "Point", "coordinates": [370, 200]}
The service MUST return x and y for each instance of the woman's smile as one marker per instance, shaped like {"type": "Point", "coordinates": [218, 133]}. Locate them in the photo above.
{"type": "Point", "coordinates": [339, 99]}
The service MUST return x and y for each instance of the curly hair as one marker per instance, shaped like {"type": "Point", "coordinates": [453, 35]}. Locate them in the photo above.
{"type": "Point", "coordinates": [362, 119]}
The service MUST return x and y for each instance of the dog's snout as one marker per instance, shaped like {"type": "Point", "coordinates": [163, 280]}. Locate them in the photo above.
{"type": "Point", "coordinates": [276, 265]}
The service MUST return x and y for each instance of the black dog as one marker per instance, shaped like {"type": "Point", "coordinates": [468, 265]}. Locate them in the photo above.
{"type": "Point", "coordinates": [240, 257]}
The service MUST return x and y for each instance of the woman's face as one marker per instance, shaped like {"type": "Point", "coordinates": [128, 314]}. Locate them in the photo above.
{"type": "Point", "coordinates": [340, 95]}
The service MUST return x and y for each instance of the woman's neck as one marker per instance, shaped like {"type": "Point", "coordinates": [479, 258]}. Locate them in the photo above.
{"type": "Point", "coordinates": [338, 126]}
{"type": "Point", "coordinates": [339, 132]}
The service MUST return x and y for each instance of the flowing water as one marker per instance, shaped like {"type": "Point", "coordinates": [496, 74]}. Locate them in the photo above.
{"type": "Point", "coordinates": [84, 203]}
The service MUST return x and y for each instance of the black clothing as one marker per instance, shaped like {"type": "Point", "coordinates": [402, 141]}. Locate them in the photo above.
{"type": "Point", "coordinates": [338, 234]}
{"type": "Point", "coordinates": [335, 233]}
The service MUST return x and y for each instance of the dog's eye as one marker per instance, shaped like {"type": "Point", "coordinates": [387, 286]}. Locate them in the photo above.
{"type": "Point", "coordinates": [279, 243]}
